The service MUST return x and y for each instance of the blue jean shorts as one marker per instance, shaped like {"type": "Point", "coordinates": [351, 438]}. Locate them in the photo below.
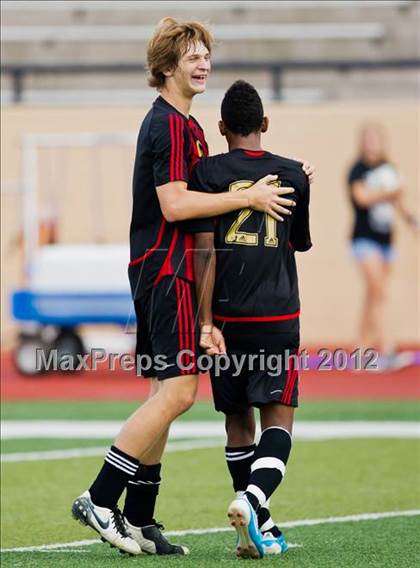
{"type": "Point", "coordinates": [363, 248]}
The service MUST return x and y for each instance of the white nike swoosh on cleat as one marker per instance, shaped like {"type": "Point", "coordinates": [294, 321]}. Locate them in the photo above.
{"type": "Point", "coordinates": [103, 524]}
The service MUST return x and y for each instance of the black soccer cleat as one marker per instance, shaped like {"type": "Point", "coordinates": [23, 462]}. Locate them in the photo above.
{"type": "Point", "coordinates": [151, 540]}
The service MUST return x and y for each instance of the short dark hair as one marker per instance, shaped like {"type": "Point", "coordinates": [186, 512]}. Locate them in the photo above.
{"type": "Point", "coordinates": [242, 109]}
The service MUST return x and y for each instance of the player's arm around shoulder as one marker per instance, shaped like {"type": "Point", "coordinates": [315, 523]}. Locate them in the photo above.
{"type": "Point", "coordinates": [306, 167]}
{"type": "Point", "coordinates": [174, 197]}
{"type": "Point", "coordinates": [169, 195]}
{"type": "Point", "coordinates": [180, 201]}
{"type": "Point", "coordinates": [309, 170]}
{"type": "Point", "coordinates": [170, 166]}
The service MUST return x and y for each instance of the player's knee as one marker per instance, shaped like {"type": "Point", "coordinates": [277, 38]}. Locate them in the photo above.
{"type": "Point", "coordinates": [277, 416]}
{"type": "Point", "coordinates": [186, 400]}
{"type": "Point", "coordinates": [380, 296]}
{"type": "Point", "coordinates": [240, 429]}
{"type": "Point", "coordinates": [376, 294]}
{"type": "Point", "coordinates": [181, 397]}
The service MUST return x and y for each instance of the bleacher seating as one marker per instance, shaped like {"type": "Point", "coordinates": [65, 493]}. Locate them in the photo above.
{"type": "Point", "coordinates": [115, 32]}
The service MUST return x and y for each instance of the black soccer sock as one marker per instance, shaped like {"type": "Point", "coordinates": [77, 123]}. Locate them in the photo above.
{"type": "Point", "coordinates": [118, 468]}
{"type": "Point", "coordinates": [142, 492]}
{"type": "Point", "coordinates": [269, 465]}
{"type": "Point", "coordinates": [265, 522]}
{"type": "Point", "coordinates": [239, 462]}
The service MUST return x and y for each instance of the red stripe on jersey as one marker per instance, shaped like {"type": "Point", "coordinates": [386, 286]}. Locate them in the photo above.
{"type": "Point", "coordinates": [154, 247]}
{"type": "Point", "coordinates": [176, 176]}
{"type": "Point", "coordinates": [167, 268]}
{"type": "Point", "coordinates": [189, 265]}
{"type": "Point", "coordinates": [181, 148]}
{"type": "Point", "coordinates": [192, 327]}
{"type": "Point", "coordinates": [292, 387]}
{"type": "Point", "coordinates": [288, 381]}
{"type": "Point", "coordinates": [173, 148]}
{"type": "Point", "coordinates": [287, 388]}
{"type": "Point", "coordinates": [178, 146]}
{"type": "Point", "coordinates": [186, 359]}
{"type": "Point", "coordinates": [179, 315]}
{"type": "Point", "coordinates": [257, 318]}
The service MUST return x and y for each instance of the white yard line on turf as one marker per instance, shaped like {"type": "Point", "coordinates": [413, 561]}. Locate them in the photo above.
{"type": "Point", "coordinates": [51, 547]}
{"type": "Point", "coordinates": [303, 430]}
{"type": "Point", "coordinates": [180, 446]}
{"type": "Point", "coordinates": [58, 550]}
{"type": "Point", "coordinates": [210, 434]}
{"type": "Point", "coordinates": [290, 524]}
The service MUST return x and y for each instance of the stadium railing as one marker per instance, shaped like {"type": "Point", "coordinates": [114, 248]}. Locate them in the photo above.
{"type": "Point", "coordinates": [19, 72]}
{"type": "Point", "coordinates": [238, 32]}
{"type": "Point", "coordinates": [105, 5]}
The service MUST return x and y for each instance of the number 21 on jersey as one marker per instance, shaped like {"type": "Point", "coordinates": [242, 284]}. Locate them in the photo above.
{"type": "Point", "coordinates": [234, 235]}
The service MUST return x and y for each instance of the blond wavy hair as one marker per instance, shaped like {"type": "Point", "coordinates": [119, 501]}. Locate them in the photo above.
{"type": "Point", "coordinates": [169, 43]}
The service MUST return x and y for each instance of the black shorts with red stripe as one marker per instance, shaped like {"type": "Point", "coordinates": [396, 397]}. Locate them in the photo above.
{"type": "Point", "coordinates": [262, 369]}
{"type": "Point", "coordinates": [167, 330]}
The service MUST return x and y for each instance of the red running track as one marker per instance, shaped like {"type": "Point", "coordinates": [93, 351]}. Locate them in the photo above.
{"type": "Point", "coordinates": [119, 385]}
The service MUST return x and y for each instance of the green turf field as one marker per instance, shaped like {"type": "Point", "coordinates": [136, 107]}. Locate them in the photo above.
{"type": "Point", "coordinates": [119, 410]}
{"type": "Point", "coordinates": [369, 544]}
{"type": "Point", "coordinates": [330, 478]}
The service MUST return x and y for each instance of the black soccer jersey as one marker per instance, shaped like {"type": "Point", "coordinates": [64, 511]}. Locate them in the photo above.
{"type": "Point", "coordinates": [168, 146]}
{"type": "Point", "coordinates": [256, 277]}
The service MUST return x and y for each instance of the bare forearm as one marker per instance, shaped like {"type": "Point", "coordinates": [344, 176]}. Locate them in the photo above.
{"type": "Point", "coordinates": [409, 217]}
{"type": "Point", "coordinates": [205, 270]}
{"type": "Point", "coordinates": [194, 204]}
{"type": "Point", "coordinates": [379, 196]}
{"type": "Point", "coordinates": [366, 199]}
{"type": "Point", "coordinates": [178, 203]}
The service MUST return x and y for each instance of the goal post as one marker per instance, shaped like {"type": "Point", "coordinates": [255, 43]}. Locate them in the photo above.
{"type": "Point", "coordinates": [92, 143]}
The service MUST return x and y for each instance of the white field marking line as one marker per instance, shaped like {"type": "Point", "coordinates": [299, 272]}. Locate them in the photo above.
{"type": "Point", "coordinates": [290, 524]}
{"type": "Point", "coordinates": [51, 547]}
{"type": "Point", "coordinates": [70, 550]}
{"type": "Point", "coordinates": [303, 430]}
{"type": "Point", "coordinates": [55, 550]}
{"type": "Point", "coordinates": [71, 453]}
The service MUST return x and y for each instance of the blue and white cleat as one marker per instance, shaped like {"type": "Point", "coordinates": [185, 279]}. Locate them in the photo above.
{"type": "Point", "coordinates": [274, 545]}
{"type": "Point", "coordinates": [243, 518]}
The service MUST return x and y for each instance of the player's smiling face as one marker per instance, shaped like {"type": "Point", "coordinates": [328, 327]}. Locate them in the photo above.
{"type": "Point", "coordinates": [193, 70]}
